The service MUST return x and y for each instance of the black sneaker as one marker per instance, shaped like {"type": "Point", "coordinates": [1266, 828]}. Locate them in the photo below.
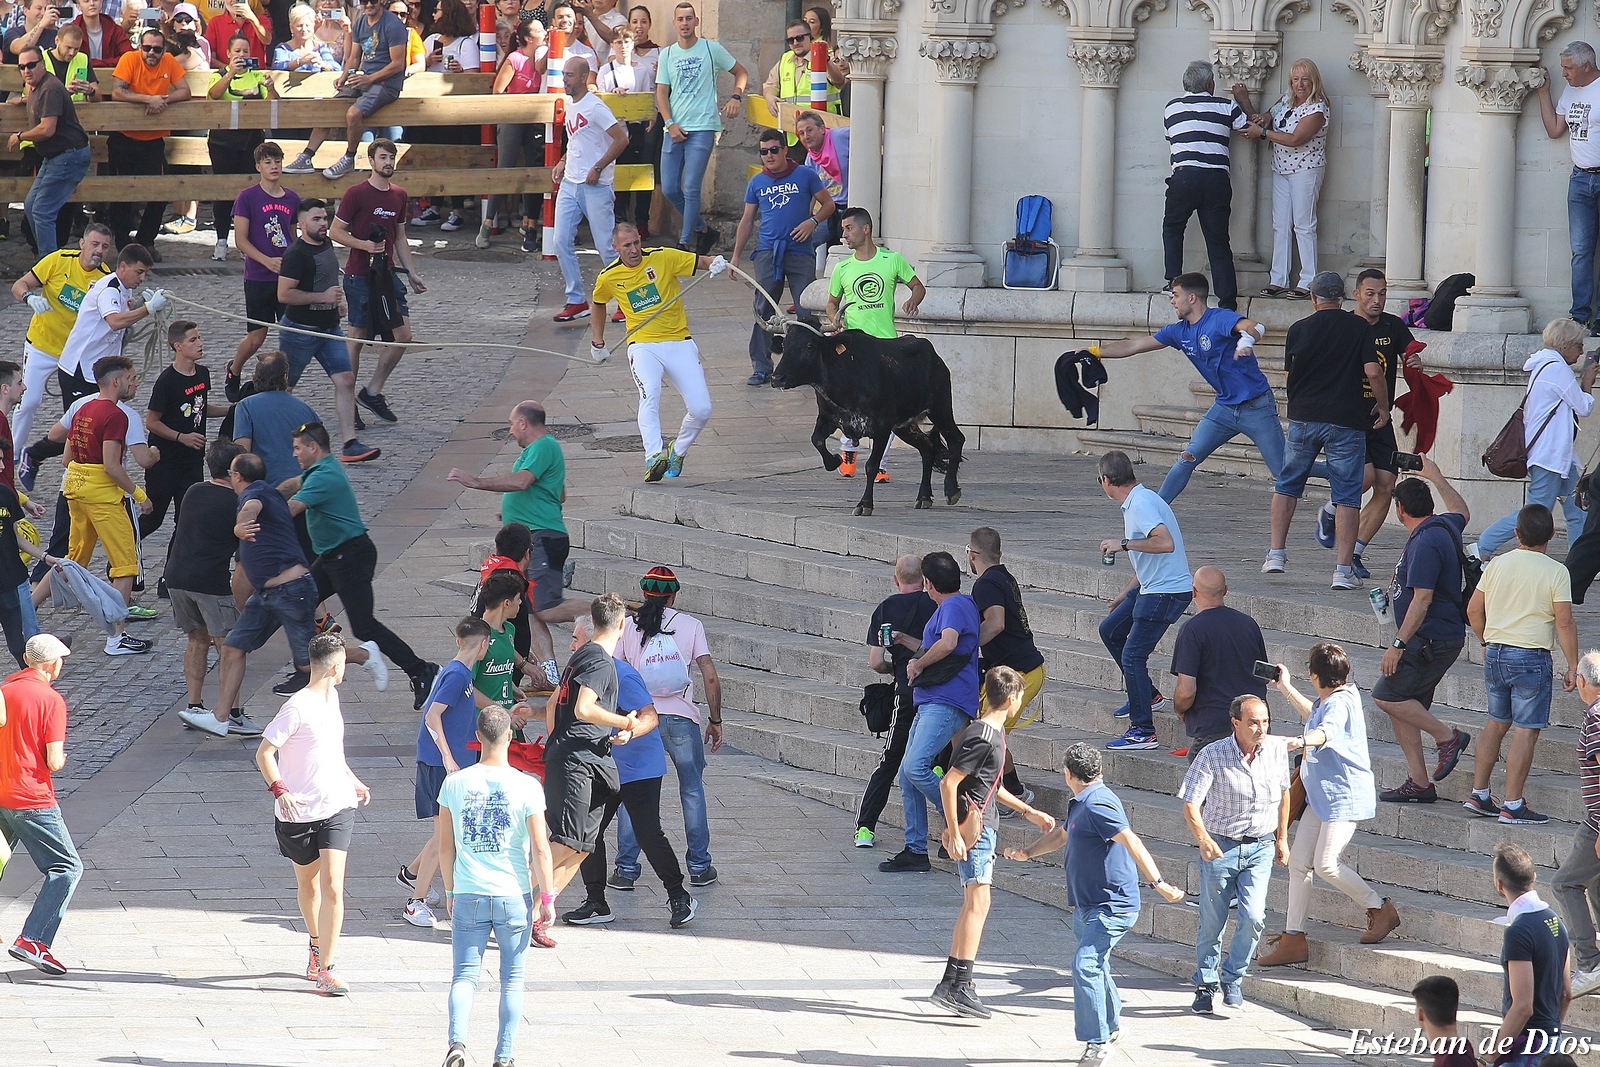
{"type": "Point", "coordinates": [908, 861]}
{"type": "Point", "coordinates": [375, 404]}
{"type": "Point", "coordinates": [701, 879]}
{"type": "Point", "coordinates": [944, 853]}
{"type": "Point", "coordinates": [457, 1056]}
{"type": "Point", "coordinates": [620, 882]}
{"type": "Point", "coordinates": [1202, 1000]}
{"type": "Point", "coordinates": [961, 999]}
{"type": "Point", "coordinates": [683, 911]}
{"type": "Point", "coordinates": [592, 913]}
{"type": "Point", "coordinates": [1410, 793]}
{"type": "Point", "coordinates": [291, 685]}
{"type": "Point", "coordinates": [1521, 815]}
{"type": "Point", "coordinates": [1449, 754]}
{"type": "Point", "coordinates": [706, 240]}
{"type": "Point", "coordinates": [1484, 806]}
{"type": "Point", "coordinates": [422, 685]}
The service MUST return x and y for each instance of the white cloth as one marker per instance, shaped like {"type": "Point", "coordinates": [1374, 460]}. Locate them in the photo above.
{"type": "Point", "coordinates": [309, 735]}
{"type": "Point", "coordinates": [97, 597]}
{"type": "Point", "coordinates": [137, 433]}
{"type": "Point", "coordinates": [679, 363]}
{"type": "Point", "coordinates": [1552, 384]}
{"type": "Point", "coordinates": [1294, 215]}
{"type": "Point", "coordinates": [464, 50]}
{"type": "Point", "coordinates": [1312, 155]}
{"type": "Point", "coordinates": [1527, 902]}
{"type": "Point", "coordinates": [588, 121]}
{"type": "Point", "coordinates": [91, 337]}
{"type": "Point", "coordinates": [1317, 849]}
{"type": "Point", "coordinates": [37, 366]}
{"type": "Point", "coordinates": [689, 636]}
{"type": "Point", "coordinates": [1578, 106]}
{"type": "Point", "coordinates": [614, 76]}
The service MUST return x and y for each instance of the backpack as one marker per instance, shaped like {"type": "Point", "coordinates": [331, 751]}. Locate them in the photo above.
{"type": "Point", "coordinates": [877, 705]}
{"type": "Point", "coordinates": [1029, 253]}
{"type": "Point", "coordinates": [1471, 566]}
{"type": "Point", "coordinates": [1441, 313]}
{"type": "Point", "coordinates": [662, 667]}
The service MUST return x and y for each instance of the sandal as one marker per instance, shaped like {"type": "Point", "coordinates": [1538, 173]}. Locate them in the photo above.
{"type": "Point", "coordinates": [1275, 291]}
{"type": "Point", "coordinates": [1299, 294]}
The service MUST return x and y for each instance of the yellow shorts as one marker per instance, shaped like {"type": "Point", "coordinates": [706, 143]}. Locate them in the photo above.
{"type": "Point", "coordinates": [110, 525]}
{"type": "Point", "coordinates": [1032, 683]}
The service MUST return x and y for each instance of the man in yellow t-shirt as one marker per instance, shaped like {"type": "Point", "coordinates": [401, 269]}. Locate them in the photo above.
{"type": "Point", "coordinates": [1521, 609]}
{"type": "Point", "coordinates": [644, 283]}
{"type": "Point", "coordinates": [54, 289]}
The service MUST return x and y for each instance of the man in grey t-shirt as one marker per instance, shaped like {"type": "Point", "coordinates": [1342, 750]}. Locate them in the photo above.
{"type": "Point", "coordinates": [374, 71]}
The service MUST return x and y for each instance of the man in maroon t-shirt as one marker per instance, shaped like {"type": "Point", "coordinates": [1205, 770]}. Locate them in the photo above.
{"type": "Point", "coordinates": [33, 746]}
{"type": "Point", "coordinates": [371, 222]}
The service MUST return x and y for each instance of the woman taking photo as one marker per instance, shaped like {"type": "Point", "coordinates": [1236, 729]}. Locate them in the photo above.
{"type": "Point", "coordinates": [303, 51]}
{"type": "Point", "coordinates": [1297, 128]}
{"type": "Point", "coordinates": [514, 139]}
{"type": "Point", "coordinates": [233, 151]}
{"type": "Point", "coordinates": [1341, 792]}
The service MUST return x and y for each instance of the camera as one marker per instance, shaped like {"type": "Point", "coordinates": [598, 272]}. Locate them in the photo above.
{"type": "Point", "coordinates": [1267, 672]}
{"type": "Point", "coordinates": [1408, 461]}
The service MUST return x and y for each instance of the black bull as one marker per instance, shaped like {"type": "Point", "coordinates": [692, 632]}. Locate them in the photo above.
{"type": "Point", "coordinates": [869, 386]}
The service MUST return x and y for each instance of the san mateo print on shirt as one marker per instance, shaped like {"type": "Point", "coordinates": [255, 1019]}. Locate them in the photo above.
{"type": "Point", "coordinates": [485, 821]}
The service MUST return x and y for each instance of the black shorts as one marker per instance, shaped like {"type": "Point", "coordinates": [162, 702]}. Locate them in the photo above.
{"type": "Point", "coordinates": [545, 565]}
{"type": "Point", "coordinates": [1423, 665]}
{"type": "Point", "coordinates": [429, 780]}
{"type": "Point", "coordinates": [302, 842]}
{"type": "Point", "coordinates": [1381, 449]}
{"type": "Point", "coordinates": [578, 784]}
{"type": "Point", "coordinates": [261, 303]}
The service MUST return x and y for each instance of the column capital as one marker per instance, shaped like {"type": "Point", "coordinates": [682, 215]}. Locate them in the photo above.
{"type": "Point", "coordinates": [1245, 57]}
{"type": "Point", "coordinates": [1408, 77]}
{"type": "Point", "coordinates": [958, 59]}
{"type": "Point", "coordinates": [869, 48]}
{"type": "Point", "coordinates": [1100, 62]}
{"type": "Point", "coordinates": [1501, 86]}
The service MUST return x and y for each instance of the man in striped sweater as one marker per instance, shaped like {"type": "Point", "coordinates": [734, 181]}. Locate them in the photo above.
{"type": "Point", "coordinates": [1199, 124]}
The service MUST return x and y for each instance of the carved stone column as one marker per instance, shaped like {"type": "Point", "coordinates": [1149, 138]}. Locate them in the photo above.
{"type": "Point", "coordinates": [1246, 57]}
{"type": "Point", "coordinates": [869, 47]}
{"type": "Point", "coordinates": [1101, 56]}
{"type": "Point", "coordinates": [1378, 194]}
{"type": "Point", "coordinates": [1501, 79]}
{"type": "Point", "coordinates": [1408, 76]}
{"type": "Point", "coordinates": [959, 52]}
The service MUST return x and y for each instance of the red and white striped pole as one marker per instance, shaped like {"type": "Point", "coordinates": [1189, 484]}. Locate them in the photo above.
{"type": "Point", "coordinates": [555, 83]}
{"type": "Point", "coordinates": [486, 59]}
{"type": "Point", "coordinates": [819, 76]}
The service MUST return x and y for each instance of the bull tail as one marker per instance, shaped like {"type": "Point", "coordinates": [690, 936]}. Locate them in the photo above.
{"type": "Point", "coordinates": [926, 441]}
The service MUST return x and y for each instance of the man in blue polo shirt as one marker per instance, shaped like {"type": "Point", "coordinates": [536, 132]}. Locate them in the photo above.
{"type": "Point", "coordinates": [1102, 862]}
{"type": "Point", "coordinates": [1221, 345]}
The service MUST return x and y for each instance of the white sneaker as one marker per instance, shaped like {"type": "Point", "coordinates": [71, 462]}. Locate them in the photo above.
{"type": "Point", "coordinates": [123, 645]}
{"type": "Point", "coordinates": [302, 165]}
{"type": "Point", "coordinates": [482, 240]}
{"type": "Point", "coordinates": [202, 719]}
{"type": "Point", "coordinates": [1274, 564]}
{"type": "Point", "coordinates": [1584, 982]}
{"type": "Point", "coordinates": [419, 914]}
{"type": "Point", "coordinates": [1343, 580]}
{"type": "Point", "coordinates": [435, 898]}
{"type": "Point", "coordinates": [375, 664]}
{"type": "Point", "coordinates": [241, 724]}
{"type": "Point", "coordinates": [220, 253]}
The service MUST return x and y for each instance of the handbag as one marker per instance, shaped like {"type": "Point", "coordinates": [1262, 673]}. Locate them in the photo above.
{"type": "Point", "coordinates": [877, 706]}
{"type": "Point", "coordinates": [1297, 793]}
{"type": "Point", "coordinates": [940, 671]}
{"type": "Point", "coordinates": [1507, 454]}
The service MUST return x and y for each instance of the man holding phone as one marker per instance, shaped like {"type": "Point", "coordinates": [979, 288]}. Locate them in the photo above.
{"type": "Point", "coordinates": [38, 29]}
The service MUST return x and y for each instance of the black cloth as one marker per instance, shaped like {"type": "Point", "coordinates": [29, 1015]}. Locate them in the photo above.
{"type": "Point", "coordinates": [347, 569]}
{"type": "Point", "coordinates": [12, 572]}
{"type": "Point", "coordinates": [314, 269]}
{"type": "Point", "coordinates": [1013, 646]}
{"type": "Point", "coordinates": [1583, 558]}
{"type": "Point", "coordinates": [383, 309]}
{"type": "Point", "coordinates": [642, 798]}
{"type": "Point", "coordinates": [578, 785]}
{"type": "Point", "coordinates": [227, 158]}
{"type": "Point", "coordinates": [50, 98]}
{"type": "Point", "coordinates": [876, 796]}
{"type": "Point", "coordinates": [200, 559]}
{"type": "Point", "coordinates": [276, 548]}
{"type": "Point", "coordinates": [1431, 560]}
{"type": "Point", "coordinates": [180, 401]}
{"type": "Point", "coordinates": [1390, 339]}
{"type": "Point", "coordinates": [1077, 373]}
{"type": "Point", "coordinates": [593, 668]}
{"type": "Point", "coordinates": [979, 752]}
{"type": "Point", "coordinates": [1540, 938]}
{"type": "Point", "coordinates": [165, 485]}
{"type": "Point", "coordinates": [1208, 193]}
{"type": "Point", "coordinates": [908, 613]}
{"type": "Point", "coordinates": [1219, 648]}
{"type": "Point", "coordinates": [1326, 353]}
{"type": "Point", "coordinates": [127, 157]}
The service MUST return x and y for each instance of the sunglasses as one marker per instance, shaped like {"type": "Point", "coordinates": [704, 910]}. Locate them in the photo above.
{"type": "Point", "coordinates": [152, 48]}
{"type": "Point", "coordinates": [797, 40]}
{"type": "Point", "coordinates": [772, 151]}
{"type": "Point", "coordinates": [29, 66]}
{"type": "Point", "coordinates": [182, 18]}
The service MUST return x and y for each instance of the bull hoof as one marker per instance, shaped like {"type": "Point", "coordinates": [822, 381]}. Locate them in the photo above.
{"type": "Point", "coordinates": [924, 503]}
{"type": "Point", "coordinates": [830, 462]}
{"type": "Point", "coordinates": [862, 509]}
{"type": "Point", "coordinates": [953, 498]}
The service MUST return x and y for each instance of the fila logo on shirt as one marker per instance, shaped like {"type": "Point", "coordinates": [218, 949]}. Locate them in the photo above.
{"type": "Point", "coordinates": [576, 122]}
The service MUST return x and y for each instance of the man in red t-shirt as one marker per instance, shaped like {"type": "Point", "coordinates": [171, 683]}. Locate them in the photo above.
{"type": "Point", "coordinates": [33, 745]}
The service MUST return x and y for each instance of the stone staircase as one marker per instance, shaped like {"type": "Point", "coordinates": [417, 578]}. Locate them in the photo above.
{"type": "Point", "coordinates": [786, 591]}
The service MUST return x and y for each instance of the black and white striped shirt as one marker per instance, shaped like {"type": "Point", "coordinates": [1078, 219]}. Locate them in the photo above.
{"type": "Point", "coordinates": [1198, 128]}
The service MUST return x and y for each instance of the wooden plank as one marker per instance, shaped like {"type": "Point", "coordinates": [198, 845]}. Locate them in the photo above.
{"type": "Point", "coordinates": [193, 152]}
{"type": "Point", "coordinates": [757, 112]}
{"type": "Point", "coordinates": [303, 84]}
{"type": "Point", "coordinates": [631, 177]}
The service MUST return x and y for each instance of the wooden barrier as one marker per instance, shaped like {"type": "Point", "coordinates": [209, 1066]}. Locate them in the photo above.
{"type": "Point", "coordinates": [308, 85]}
{"type": "Point", "coordinates": [757, 112]}
{"type": "Point", "coordinates": [193, 152]}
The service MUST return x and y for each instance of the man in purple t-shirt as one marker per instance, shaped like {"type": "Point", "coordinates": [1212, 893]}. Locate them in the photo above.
{"type": "Point", "coordinates": [263, 229]}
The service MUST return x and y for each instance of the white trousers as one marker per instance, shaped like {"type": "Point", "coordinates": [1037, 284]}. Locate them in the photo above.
{"type": "Point", "coordinates": [679, 363]}
{"type": "Point", "coordinates": [848, 444]}
{"type": "Point", "coordinates": [1294, 212]}
{"type": "Point", "coordinates": [36, 371]}
{"type": "Point", "coordinates": [1316, 850]}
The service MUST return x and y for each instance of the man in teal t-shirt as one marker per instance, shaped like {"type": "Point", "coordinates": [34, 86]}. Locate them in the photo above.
{"type": "Point", "coordinates": [346, 559]}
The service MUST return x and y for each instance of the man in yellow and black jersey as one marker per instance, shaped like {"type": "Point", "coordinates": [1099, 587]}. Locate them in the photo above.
{"type": "Point", "coordinates": [644, 282]}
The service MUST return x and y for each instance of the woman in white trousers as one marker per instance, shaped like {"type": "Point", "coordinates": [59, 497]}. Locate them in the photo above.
{"type": "Point", "coordinates": [1297, 128]}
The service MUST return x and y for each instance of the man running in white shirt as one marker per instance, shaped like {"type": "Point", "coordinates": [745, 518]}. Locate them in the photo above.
{"type": "Point", "coordinates": [584, 179]}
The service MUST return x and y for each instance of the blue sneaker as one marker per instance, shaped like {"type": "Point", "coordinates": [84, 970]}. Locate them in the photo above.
{"type": "Point", "coordinates": [674, 461]}
{"type": "Point", "coordinates": [1122, 712]}
{"type": "Point", "coordinates": [27, 471]}
{"type": "Point", "coordinates": [1233, 994]}
{"type": "Point", "coordinates": [1325, 527]}
{"type": "Point", "coordinates": [1360, 568]}
{"type": "Point", "coordinates": [1135, 738]}
{"type": "Point", "coordinates": [656, 466]}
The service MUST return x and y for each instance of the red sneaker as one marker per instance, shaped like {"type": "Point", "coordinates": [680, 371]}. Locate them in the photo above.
{"type": "Point", "coordinates": [38, 954]}
{"type": "Point", "coordinates": [618, 316]}
{"type": "Point", "coordinates": [541, 936]}
{"type": "Point", "coordinates": [847, 464]}
{"type": "Point", "coordinates": [313, 964]}
{"type": "Point", "coordinates": [572, 311]}
{"type": "Point", "coordinates": [882, 476]}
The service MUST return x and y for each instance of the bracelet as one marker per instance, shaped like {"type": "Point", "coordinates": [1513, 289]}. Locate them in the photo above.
{"type": "Point", "coordinates": [716, 722]}
{"type": "Point", "coordinates": [277, 788]}
{"type": "Point", "coordinates": [547, 898]}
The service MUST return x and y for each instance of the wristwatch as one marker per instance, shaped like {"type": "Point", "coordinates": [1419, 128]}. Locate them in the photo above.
{"type": "Point", "coordinates": [1124, 544]}
{"type": "Point", "coordinates": [1397, 643]}
{"type": "Point", "coordinates": [735, 96]}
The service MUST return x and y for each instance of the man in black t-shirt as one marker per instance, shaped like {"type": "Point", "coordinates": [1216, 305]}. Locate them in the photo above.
{"type": "Point", "coordinates": [1327, 356]}
{"type": "Point", "coordinates": [907, 614]}
{"type": "Point", "coordinates": [580, 775]}
{"type": "Point", "coordinates": [176, 417]}
{"type": "Point", "coordinates": [1004, 636]}
{"type": "Point", "coordinates": [199, 572]}
{"type": "Point", "coordinates": [1214, 659]}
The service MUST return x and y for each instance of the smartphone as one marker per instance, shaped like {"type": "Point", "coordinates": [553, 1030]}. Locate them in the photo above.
{"type": "Point", "coordinates": [151, 15]}
{"type": "Point", "coordinates": [67, 12]}
{"type": "Point", "coordinates": [1408, 461]}
{"type": "Point", "coordinates": [252, 63]}
{"type": "Point", "coordinates": [1265, 671]}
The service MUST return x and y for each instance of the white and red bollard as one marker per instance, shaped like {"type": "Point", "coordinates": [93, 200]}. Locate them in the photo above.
{"type": "Point", "coordinates": [554, 82]}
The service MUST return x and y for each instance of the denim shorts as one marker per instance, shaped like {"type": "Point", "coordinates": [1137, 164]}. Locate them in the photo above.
{"type": "Point", "coordinates": [978, 867]}
{"type": "Point", "coordinates": [1345, 450]}
{"type": "Point", "coordinates": [1519, 685]}
{"type": "Point", "coordinates": [355, 297]}
{"type": "Point", "coordinates": [299, 349]}
{"type": "Point", "coordinates": [292, 606]}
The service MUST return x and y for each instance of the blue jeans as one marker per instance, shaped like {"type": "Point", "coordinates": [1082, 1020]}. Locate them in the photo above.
{"type": "Point", "coordinates": [329, 349]}
{"type": "Point", "coordinates": [1246, 870]}
{"type": "Point", "coordinates": [687, 750]}
{"type": "Point", "coordinates": [1583, 226]}
{"type": "Point", "coordinates": [292, 605]}
{"type": "Point", "coordinates": [1346, 452]}
{"type": "Point", "coordinates": [683, 168]}
{"type": "Point", "coordinates": [1096, 1005]}
{"type": "Point", "coordinates": [18, 619]}
{"type": "Point", "coordinates": [799, 270]}
{"type": "Point", "coordinates": [575, 200]}
{"type": "Point", "coordinates": [473, 916]}
{"type": "Point", "coordinates": [1519, 685]}
{"type": "Point", "coordinates": [931, 730]}
{"type": "Point", "coordinates": [1257, 419]}
{"type": "Point", "coordinates": [51, 189]}
{"type": "Point", "coordinates": [1130, 633]}
{"type": "Point", "coordinates": [44, 834]}
{"type": "Point", "coordinates": [1544, 487]}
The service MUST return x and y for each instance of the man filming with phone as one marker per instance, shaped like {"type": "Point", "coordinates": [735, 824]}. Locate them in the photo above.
{"type": "Point", "coordinates": [1219, 655]}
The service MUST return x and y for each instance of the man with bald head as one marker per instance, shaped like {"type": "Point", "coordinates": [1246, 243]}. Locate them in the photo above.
{"type": "Point", "coordinates": [584, 179]}
{"type": "Point", "coordinates": [1214, 660]}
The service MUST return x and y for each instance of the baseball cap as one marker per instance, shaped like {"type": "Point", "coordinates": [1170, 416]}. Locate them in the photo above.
{"type": "Point", "coordinates": [44, 648]}
{"type": "Point", "coordinates": [187, 9]}
{"type": "Point", "coordinates": [1328, 285]}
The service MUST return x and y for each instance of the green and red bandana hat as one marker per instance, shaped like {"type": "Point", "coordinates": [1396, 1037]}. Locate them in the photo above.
{"type": "Point", "coordinates": [660, 581]}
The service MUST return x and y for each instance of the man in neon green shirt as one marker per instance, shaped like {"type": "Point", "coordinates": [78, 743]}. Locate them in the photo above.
{"type": "Point", "coordinates": [866, 282]}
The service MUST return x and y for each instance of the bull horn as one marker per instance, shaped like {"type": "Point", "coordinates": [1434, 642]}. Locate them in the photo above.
{"type": "Point", "coordinates": [774, 325]}
{"type": "Point", "coordinates": [807, 325]}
